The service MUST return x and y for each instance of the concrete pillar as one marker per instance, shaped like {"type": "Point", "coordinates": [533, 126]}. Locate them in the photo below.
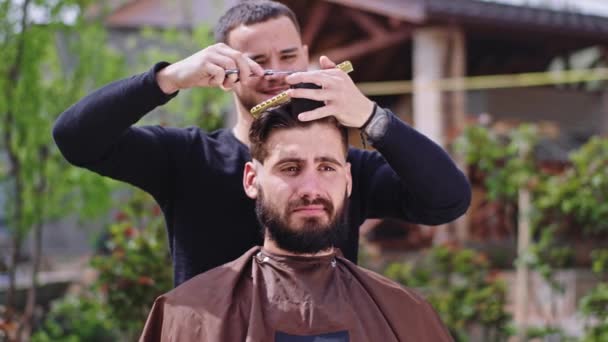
{"type": "Point", "coordinates": [430, 46]}
{"type": "Point", "coordinates": [524, 237]}
{"type": "Point", "coordinates": [439, 53]}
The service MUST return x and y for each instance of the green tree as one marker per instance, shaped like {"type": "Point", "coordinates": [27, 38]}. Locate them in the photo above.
{"type": "Point", "coordinates": [594, 305]}
{"type": "Point", "coordinates": [134, 266]}
{"type": "Point", "coordinates": [564, 205]}
{"type": "Point", "coordinates": [202, 107]}
{"type": "Point", "coordinates": [49, 62]}
{"type": "Point", "coordinates": [579, 197]}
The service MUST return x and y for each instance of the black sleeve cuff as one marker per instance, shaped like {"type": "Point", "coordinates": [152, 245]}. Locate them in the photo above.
{"type": "Point", "coordinates": [150, 80]}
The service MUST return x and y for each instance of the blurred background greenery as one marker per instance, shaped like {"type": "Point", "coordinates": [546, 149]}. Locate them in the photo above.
{"type": "Point", "coordinates": [55, 52]}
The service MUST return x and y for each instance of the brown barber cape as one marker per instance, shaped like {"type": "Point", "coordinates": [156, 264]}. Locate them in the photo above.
{"type": "Point", "coordinates": [263, 297]}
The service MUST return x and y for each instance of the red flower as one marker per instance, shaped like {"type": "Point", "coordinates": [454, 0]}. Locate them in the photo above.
{"type": "Point", "coordinates": [452, 246]}
{"type": "Point", "coordinates": [119, 253]}
{"type": "Point", "coordinates": [120, 216]}
{"type": "Point", "coordinates": [130, 232]}
{"type": "Point", "coordinates": [492, 276]}
{"type": "Point", "coordinates": [145, 281]}
{"type": "Point", "coordinates": [481, 259]}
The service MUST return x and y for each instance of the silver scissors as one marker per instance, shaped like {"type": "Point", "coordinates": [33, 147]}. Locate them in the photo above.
{"type": "Point", "coordinates": [267, 72]}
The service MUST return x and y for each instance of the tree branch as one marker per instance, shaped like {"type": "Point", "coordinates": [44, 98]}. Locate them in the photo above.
{"type": "Point", "coordinates": [14, 162]}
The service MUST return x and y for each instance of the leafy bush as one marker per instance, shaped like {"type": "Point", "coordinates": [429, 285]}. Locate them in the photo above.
{"type": "Point", "coordinates": [74, 319]}
{"type": "Point", "coordinates": [461, 287]}
{"type": "Point", "coordinates": [595, 304]}
{"type": "Point", "coordinates": [136, 267]}
{"type": "Point", "coordinates": [579, 197]}
{"type": "Point", "coordinates": [133, 268]}
{"type": "Point", "coordinates": [546, 254]}
{"type": "Point", "coordinates": [563, 205]}
{"type": "Point", "coordinates": [503, 162]}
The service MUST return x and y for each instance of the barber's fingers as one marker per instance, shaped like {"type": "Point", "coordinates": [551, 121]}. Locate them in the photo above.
{"type": "Point", "coordinates": [325, 79]}
{"type": "Point", "coordinates": [316, 114]}
{"type": "Point", "coordinates": [326, 63]}
{"type": "Point", "coordinates": [247, 67]}
{"type": "Point", "coordinates": [223, 62]}
{"type": "Point", "coordinates": [311, 94]}
{"type": "Point", "coordinates": [217, 75]}
{"type": "Point", "coordinates": [244, 64]}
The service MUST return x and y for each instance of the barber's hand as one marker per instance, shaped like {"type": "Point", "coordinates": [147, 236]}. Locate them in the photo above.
{"type": "Point", "coordinates": [342, 98]}
{"type": "Point", "coordinates": [206, 68]}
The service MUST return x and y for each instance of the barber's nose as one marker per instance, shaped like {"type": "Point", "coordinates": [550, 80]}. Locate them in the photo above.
{"type": "Point", "coordinates": [275, 76]}
{"type": "Point", "coordinates": [273, 63]}
{"type": "Point", "coordinates": [276, 66]}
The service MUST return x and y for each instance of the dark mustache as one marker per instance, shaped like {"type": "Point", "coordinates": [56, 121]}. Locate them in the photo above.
{"type": "Point", "coordinates": [304, 201]}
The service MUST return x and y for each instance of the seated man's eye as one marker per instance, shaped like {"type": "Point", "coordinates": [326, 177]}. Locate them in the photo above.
{"type": "Point", "coordinates": [291, 169]}
{"type": "Point", "coordinates": [327, 168]}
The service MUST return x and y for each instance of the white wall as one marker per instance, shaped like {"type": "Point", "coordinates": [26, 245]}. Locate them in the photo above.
{"type": "Point", "coordinates": [574, 111]}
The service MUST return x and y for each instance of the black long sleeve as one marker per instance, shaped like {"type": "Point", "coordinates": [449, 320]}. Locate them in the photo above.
{"type": "Point", "coordinates": [426, 186]}
{"type": "Point", "coordinates": [97, 133]}
{"type": "Point", "coordinates": [196, 176]}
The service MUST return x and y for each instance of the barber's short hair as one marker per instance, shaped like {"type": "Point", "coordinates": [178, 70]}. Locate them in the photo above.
{"type": "Point", "coordinates": [249, 13]}
{"type": "Point", "coordinates": [285, 116]}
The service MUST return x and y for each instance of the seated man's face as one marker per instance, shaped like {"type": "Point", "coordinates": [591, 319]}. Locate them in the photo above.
{"type": "Point", "coordinates": [302, 187]}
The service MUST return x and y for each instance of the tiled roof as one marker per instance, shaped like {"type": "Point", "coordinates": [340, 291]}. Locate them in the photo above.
{"type": "Point", "coordinates": [486, 13]}
{"type": "Point", "coordinates": [516, 16]}
{"type": "Point", "coordinates": [166, 13]}
{"type": "Point", "coordinates": [163, 13]}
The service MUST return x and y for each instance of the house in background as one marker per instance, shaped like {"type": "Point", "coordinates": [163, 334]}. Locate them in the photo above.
{"type": "Point", "coordinates": [423, 41]}
{"type": "Point", "coordinates": [429, 40]}
{"type": "Point", "coordinates": [420, 40]}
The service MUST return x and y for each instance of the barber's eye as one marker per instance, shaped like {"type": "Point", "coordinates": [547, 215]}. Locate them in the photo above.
{"type": "Point", "coordinates": [327, 168]}
{"type": "Point", "coordinates": [260, 61]}
{"type": "Point", "coordinates": [288, 57]}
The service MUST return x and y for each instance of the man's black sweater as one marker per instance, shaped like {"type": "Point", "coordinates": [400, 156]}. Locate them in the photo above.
{"type": "Point", "coordinates": [196, 177]}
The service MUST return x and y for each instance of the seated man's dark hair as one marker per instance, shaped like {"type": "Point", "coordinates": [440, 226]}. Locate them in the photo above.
{"type": "Point", "coordinates": [249, 13]}
{"type": "Point", "coordinates": [284, 117]}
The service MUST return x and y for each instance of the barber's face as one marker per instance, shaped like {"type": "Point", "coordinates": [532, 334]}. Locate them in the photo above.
{"type": "Point", "coordinates": [302, 187]}
{"type": "Point", "coordinates": [274, 44]}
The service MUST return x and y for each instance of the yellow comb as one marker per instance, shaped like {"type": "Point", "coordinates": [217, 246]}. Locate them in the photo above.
{"type": "Point", "coordinates": [283, 97]}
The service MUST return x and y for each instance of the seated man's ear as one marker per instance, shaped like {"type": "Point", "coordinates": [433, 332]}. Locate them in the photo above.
{"type": "Point", "coordinates": [349, 180]}
{"type": "Point", "coordinates": [250, 180]}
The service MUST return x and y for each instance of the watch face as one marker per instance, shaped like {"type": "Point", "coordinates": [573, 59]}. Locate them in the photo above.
{"type": "Point", "coordinates": [340, 336]}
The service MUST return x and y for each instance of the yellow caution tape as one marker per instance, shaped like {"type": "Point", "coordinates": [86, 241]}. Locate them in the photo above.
{"type": "Point", "coordinates": [530, 79]}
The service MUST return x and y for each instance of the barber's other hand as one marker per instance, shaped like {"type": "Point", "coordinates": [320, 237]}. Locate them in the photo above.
{"type": "Point", "coordinates": [342, 98]}
{"type": "Point", "coordinates": [206, 68]}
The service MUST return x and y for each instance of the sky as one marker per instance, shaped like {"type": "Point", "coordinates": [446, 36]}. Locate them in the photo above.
{"type": "Point", "coordinates": [595, 7]}
{"type": "Point", "coordinates": [40, 14]}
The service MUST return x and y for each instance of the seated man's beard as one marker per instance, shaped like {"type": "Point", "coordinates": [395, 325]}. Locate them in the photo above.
{"type": "Point", "coordinates": [313, 236]}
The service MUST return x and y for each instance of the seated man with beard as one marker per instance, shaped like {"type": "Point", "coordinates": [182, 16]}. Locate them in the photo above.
{"type": "Point", "coordinates": [297, 286]}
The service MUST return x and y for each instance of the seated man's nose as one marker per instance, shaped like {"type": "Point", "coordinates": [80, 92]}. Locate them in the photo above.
{"type": "Point", "coordinates": [310, 186]}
